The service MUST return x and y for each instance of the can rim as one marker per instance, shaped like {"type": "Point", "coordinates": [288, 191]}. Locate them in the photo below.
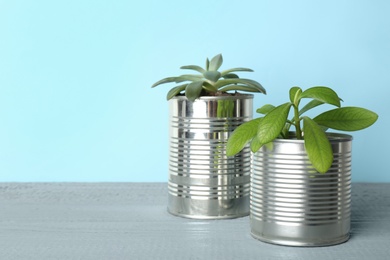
{"type": "Point", "coordinates": [240, 96]}
{"type": "Point", "coordinates": [332, 136]}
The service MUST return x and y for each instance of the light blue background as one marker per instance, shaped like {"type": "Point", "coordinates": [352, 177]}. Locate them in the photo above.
{"type": "Point", "coordinates": [75, 76]}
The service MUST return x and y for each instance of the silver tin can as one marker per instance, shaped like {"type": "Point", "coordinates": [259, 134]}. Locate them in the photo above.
{"type": "Point", "coordinates": [292, 204]}
{"type": "Point", "coordinates": [203, 182]}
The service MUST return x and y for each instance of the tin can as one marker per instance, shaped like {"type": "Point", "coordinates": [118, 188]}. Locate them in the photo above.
{"type": "Point", "coordinates": [292, 204]}
{"type": "Point", "coordinates": [203, 182]}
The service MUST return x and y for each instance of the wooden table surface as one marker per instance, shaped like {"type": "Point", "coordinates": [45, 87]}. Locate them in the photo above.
{"type": "Point", "coordinates": [129, 221]}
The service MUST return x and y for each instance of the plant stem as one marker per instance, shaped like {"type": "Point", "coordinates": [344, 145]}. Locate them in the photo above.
{"type": "Point", "coordinates": [297, 123]}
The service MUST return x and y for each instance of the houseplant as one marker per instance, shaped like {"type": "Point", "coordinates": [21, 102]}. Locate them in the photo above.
{"type": "Point", "coordinates": [203, 182]}
{"type": "Point", "coordinates": [301, 181]}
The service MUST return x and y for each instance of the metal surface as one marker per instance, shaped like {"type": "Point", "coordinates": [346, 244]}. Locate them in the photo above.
{"type": "Point", "coordinates": [292, 204]}
{"type": "Point", "coordinates": [203, 182]}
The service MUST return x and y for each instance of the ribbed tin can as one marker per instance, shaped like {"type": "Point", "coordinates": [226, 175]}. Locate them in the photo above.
{"type": "Point", "coordinates": [292, 204]}
{"type": "Point", "coordinates": [203, 182]}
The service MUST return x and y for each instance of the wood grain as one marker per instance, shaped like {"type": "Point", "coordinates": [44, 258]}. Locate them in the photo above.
{"type": "Point", "coordinates": [130, 221]}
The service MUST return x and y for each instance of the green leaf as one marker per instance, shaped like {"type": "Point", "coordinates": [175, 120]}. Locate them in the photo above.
{"type": "Point", "coordinates": [312, 104]}
{"type": "Point", "coordinates": [224, 82]}
{"type": "Point", "coordinates": [239, 87]}
{"type": "Point", "coordinates": [347, 118]}
{"type": "Point", "coordinates": [194, 67]}
{"type": "Point", "coordinates": [241, 136]}
{"type": "Point", "coordinates": [317, 146]}
{"type": "Point", "coordinates": [212, 75]}
{"type": "Point", "coordinates": [295, 95]}
{"type": "Point", "coordinates": [175, 91]}
{"type": "Point", "coordinates": [165, 80]}
{"type": "Point", "coordinates": [254, 84]}
{"type": "Point", "coordinates": [273, 123]}
{"type": "Point", "coordinates": [225, 72]}
{"type": "Point", "coordinates": [323, 94]}
{"type": "Point", "coordinates": [188, 77]}
{"type": "Point", "coordinates": [209, 87]}
{"type": "Point", "coordinates": [230, 76]}
{"type": "Point", "coordinates": [285, 131]}
{"type": "Point", "coordinates": [255, 144]}
{"type": "Point", "coordinates": [193, 90]}
{"type": "Point", "coordinates": [265, 109]}
{"type": "Point", "coordinates": [215, 63]}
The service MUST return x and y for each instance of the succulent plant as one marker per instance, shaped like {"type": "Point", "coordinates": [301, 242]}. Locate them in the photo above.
{"type": "Point", "coordinates": [210, 80]}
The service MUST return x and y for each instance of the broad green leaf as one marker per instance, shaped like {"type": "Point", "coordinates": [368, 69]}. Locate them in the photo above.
{"type": "Point", "coordinates": [323, 94]}
{"type": "Point", "coordinates": [176, 90]}
{"type": "Point", "coordinates": [312, 104]}
{"type": "Point", "coordinates": [317, 146]}
{"type": "Point", "coordinates": [193, 67]}
{"type": "Point", "coordinates": [224, 82]}
{"type": "Point", "coordinates": [215, 62]}
{"type": "Point", "coordinates": [255, 144]}
{"type": "Point", "coordinates": [225, 72]}
{"type": "Point", "coordinates": [193, 90]}
{"type": "Point", "coordinates": [265, 109]}
{"type": "Point", "coordinates": [273, 123]}
{"type": "Point", "coordinates": [295, 95]}
{"type": "Point", "coordinates": [212, 75]}
{"type": "Point", "coordinates": [241, 136]}
{"type": "Point", "coordinates": [347, 118]}
{"type": "Point", "coordinates": [230, 76]}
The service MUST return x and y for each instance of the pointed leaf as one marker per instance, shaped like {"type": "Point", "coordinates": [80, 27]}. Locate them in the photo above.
{"type": "Point", "coordinates": [295, 95]}
{"type": "Point", "coordinates": [165, 80]}
{"type": "Point", "coordinates": [317, 146]}
{"type": "Point", "coordinates": [225, 72]}
{"type": "Point", "coordinates": [193, 90]}
{"type": "Point", "coordinates": [254, 84]}
{"type": "Point", "coordinates": [272, 124]}
{"type": "Point", "coordinates": [255, 144]}
{"type": "Point", "coordinates": [312, 104]}
{"type": "Point", "coordinates": [215, 62]}
{"type": "Point", "coordinates": [265, 109]}
{"type": "Point", "coordinates": [212, 75]}
{"type": "Point", "coordinates": [224, 82]}
{"type": "Point", "coordinates": [188, 77]}
{"type": "Point", "coordinates": [239, 87]}
{"type": "Point", "coordinates": [241, 136]}
{"type": "Point", "coordinates": [323, 94]}
{"type": "Point", "coordinates": [347, 118]}
{"type": "Point", "coordinates": [175, 91]}
{"type": "Point", "coordinates": [194, 67]}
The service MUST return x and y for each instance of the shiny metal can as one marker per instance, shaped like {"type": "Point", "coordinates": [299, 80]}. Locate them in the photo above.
{"type": "Point", "coordinates": [203, 182]}
{"type": "Point", "coordinates": [292, 204]}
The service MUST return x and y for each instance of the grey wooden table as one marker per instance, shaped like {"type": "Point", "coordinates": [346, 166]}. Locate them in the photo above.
{"type": "Point", "coordinates": [130, 221]}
